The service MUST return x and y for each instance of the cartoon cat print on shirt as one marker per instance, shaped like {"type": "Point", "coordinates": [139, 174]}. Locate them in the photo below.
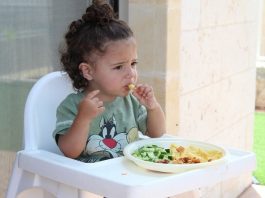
{"type": "Point", "coordinates": [109, 143]}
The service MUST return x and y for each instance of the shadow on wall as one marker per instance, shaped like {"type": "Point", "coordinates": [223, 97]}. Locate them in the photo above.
{"type": "Point", "coordinates": [260, 89]}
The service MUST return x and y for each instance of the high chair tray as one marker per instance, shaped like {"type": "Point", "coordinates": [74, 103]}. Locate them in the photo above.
{"type": "Point", "coordinates": [121, 178]}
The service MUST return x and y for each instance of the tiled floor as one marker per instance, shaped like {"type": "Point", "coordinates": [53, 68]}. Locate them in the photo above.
{"type": "Point", "coordinates": [255, 191]}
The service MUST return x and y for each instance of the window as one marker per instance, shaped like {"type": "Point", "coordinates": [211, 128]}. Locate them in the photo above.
{"type": "Point", "coordinates": [30, 34]}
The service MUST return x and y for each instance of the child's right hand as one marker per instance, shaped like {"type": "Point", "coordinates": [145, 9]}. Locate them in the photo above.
{"type": "Point", "coordinates": [90, 107]}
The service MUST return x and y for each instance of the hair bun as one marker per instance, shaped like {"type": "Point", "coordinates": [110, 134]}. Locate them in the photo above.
{"type": "Point", "coordinates": [75, 26]}
{"type": "Point", "coordinates": [100, 12]}
{"type": "Point", "coordinates": [99, 2]}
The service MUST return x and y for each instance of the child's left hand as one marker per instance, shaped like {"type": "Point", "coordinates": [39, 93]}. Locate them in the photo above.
{"type": "Point", "coordinates": [145, 94]}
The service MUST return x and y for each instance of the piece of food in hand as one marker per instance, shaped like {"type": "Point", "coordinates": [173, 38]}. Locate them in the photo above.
{"type": "Point", "coordinates": [131, 86]}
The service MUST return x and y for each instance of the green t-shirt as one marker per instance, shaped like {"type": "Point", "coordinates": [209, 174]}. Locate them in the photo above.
{"type": "Point", "coordinates": [109, 132]}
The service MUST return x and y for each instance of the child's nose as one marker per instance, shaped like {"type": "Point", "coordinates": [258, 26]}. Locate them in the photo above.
{"type": "Point", "coordinates": [130, 72]}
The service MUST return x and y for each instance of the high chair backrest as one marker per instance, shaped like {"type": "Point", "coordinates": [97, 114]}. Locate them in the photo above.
{"type": "Point", "coordinates": [40, 110]}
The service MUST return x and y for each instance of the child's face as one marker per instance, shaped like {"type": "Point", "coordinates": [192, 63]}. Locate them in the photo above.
{"type": "Point", "coordinates": [116, 69]}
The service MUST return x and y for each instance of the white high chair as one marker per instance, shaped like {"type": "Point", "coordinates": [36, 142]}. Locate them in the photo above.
{"type": "Point", "coordinates": [40, 165]}
{"type": "Point", "coordinates": [29, 169]}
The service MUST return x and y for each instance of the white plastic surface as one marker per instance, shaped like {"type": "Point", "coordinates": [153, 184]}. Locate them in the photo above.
{"type": "Point", "coordinates": [40, 110]}
{"type": "Point", "coordinates": [121, 178]}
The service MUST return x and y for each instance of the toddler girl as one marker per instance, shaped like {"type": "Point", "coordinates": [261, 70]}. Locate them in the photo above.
{"type": "Point", "coordinates": [98, 121]}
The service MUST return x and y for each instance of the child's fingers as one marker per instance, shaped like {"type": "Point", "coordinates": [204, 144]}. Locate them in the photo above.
{"type": "Point", "coordinates": [144, 91]}
{"type": "Point", "coordinates": [92, 94]}
{"type": "Point", "coordinates": [148, 93]}
{"type": "Point", "coordinates": [100, 104]}
{"type": "Point", "coordinates": [92, 99]}
{"type": "Point", "coordinates": [101, 109]}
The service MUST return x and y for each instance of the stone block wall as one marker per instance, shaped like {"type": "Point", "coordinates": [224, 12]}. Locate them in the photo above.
{"type": "Point", "coordinates": [217, 71]}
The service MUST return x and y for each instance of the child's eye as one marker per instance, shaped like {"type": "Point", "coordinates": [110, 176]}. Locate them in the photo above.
{"type": "Point", "coordinates": [119, 67]}
{"type": "Point", "coordinates": [134, 64]}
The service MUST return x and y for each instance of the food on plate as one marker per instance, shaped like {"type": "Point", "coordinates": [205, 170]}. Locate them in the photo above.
{"type": "Point", "coordinates": [176, 154]}
{"type": "Point", "coordinates": [131, 86]}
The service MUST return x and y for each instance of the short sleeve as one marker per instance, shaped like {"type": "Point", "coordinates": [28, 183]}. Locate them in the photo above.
{"type": "Point", "coordinates": [65, 115]}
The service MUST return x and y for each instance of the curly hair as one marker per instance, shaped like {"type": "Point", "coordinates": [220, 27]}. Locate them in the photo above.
{"type": "Point", "coordinates": [88, 35]}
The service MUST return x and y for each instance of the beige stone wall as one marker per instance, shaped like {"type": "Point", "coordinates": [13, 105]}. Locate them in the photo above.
{"type": "Point", "coordinates": [200, 57]}
{"type": "Point", "coordinates": [156, 25]}
{"type": "Point", "coordinates": [217, 71]}
{"type": "Point", "coordinates": [262, 42]}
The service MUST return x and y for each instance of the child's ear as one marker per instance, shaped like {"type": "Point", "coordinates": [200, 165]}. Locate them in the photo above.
{"type": "Point", "coordinates": [87, 70]}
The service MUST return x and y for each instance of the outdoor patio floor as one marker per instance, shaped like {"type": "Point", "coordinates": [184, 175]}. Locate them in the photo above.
{"type": "Point", "coordinates": [254, 191]}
